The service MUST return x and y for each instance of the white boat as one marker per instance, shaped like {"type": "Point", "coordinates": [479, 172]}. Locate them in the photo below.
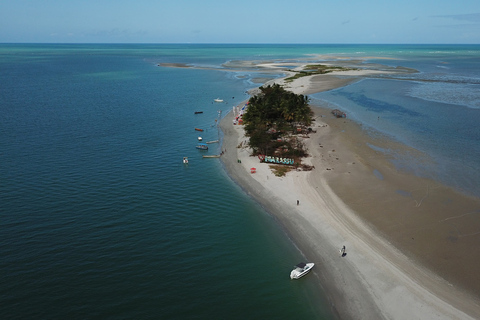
{"type": "Point", "coordinates": [199, 138]}
{"type": "Point", "coordinates": [218, 100]}
{"type": "Point", "coordinates": [301, 269]}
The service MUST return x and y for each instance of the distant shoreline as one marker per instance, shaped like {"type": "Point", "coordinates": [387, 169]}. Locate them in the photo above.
{"type": "Point", "coordinates": [342, 201]}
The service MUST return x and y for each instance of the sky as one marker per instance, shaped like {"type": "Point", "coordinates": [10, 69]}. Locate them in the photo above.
{"type": "Point", "coordinates": [240, 21]}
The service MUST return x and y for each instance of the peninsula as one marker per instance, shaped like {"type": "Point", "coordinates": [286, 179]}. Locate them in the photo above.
{"type": "Point", "coordinates": [391, 267]}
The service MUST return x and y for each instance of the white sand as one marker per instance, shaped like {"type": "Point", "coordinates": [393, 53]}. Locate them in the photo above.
{"type": "Point", "coordinates": [374, 280]}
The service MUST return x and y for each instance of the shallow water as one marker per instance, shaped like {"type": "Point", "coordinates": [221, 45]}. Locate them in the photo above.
{"type": "Point", "coordinates": [439, 118]}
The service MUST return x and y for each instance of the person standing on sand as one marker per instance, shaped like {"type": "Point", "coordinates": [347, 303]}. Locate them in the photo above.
{"type": "Point", "coordinates": [298, 202]}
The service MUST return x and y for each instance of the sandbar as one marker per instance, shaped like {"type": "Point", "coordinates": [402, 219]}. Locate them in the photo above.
{"type": "Point", "coordinates": [407, 238]}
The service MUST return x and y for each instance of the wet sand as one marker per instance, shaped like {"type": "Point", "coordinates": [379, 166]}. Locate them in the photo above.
{"type": "Point", "coordinates": [428, 221]}
{"type": "Point", "coordinates": [379, 277]}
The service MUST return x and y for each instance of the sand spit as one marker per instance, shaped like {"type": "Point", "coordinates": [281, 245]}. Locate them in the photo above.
{"type": "Point", "coordinates": [374, 280]}
{"type": "Point", "coordinates": [409, 240]}
{"type": "Point", "coordinates": [406, 251]}
{"type": "Point", "coordinates": [307, 84]}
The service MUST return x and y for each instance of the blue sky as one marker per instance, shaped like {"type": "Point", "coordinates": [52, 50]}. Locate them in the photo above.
{"type": "Point", "coordinates": [240, 21]}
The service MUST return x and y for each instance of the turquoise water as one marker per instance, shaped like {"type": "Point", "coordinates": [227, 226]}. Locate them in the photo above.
{"type": "Point", "coordinates": [101, 220]}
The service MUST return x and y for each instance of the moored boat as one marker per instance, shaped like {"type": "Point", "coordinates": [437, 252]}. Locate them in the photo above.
{"type": "Point", "coordinates": [198, 112]}
{"type": "Point", "coordinates": [214, 141]}
{"type": "Point", "coordinates": [202, 146]}
{"type": "Point", "coordinates": [197, 129]}
{"type": "Point", "coordinates": [301, 269]}
{"type": "Point", "coordinates": [212, 156]}
{"type": "Point", "coordinates": [218, 100]}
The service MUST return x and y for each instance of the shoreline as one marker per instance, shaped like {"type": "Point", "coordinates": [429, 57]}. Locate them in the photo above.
{"type": "Point", "coordinates": [382, 275]}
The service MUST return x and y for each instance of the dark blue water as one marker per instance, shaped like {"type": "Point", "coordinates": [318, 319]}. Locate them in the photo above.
{"type": "Point", "coordinates": [99, 217]}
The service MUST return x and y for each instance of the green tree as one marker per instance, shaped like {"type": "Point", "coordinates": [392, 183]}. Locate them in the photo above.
{"type": "Point", "coordinates": [275, 112]}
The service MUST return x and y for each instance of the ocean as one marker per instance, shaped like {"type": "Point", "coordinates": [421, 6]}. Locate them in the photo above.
{"type": "Point", "coordinates": [100, 219]}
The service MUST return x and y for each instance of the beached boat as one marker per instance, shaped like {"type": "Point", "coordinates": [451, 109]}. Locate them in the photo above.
{"type": "Point", "coordinates": [218, 100]}
{"type": "Point", "coordinates": [202, 146]}
{"type": "Point", "coordinates": [214, 141]}
{"type": "Point", "coordinates": [198, 112]}
{"type": "Point", "coordinates": [301, 269]}
{"type": "Point", "coordinates": [212, 156]}
{"type": "Point", "coordinates": [197, 129]}
{"type": "Point", "coordinates": [185, 160]}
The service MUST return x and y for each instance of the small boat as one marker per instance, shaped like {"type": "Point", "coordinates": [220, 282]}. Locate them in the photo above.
{"type": "Point", "coordinates": [198, 112]}
{"type": "Point", "coordinates": [212, 156]}
{"type": "Point", "coordinates": [202, 146]}
{"type": "Point", "coordinates": [199, 139]}
{"type": "Point", "coordinates": [218, 100]}
{"type": "Point", "coordinates": [198, 129]}
{"type": "Point", "coordinates": [214, 141]}
{"type": "Point", "coordinates": [301, 269]}
{"type": "Point", "coordinates": [339, 114]}
{"type": "Point", "coordinates": [185, 160]}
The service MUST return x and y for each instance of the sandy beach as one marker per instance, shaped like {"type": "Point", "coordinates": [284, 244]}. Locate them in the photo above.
{"type": "Point", "coordinates": [406, 237]}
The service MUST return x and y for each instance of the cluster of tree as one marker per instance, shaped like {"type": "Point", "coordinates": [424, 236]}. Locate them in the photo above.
{"type": "Point", "coordinates": [276, 113]}
{"type": "Point", "coordinates": [313, 69]}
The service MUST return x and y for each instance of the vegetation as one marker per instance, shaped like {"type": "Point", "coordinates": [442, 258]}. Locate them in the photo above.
{"type": "Point", "coordinates": [274, 118]}
{"type": "Point", "coordinates": [279, 171]}
{"type": "Point", "coordinates": [313, 69]}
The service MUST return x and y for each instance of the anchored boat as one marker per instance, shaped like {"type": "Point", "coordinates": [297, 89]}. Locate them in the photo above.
{"type": "Point", "coordinates": [202, 146]}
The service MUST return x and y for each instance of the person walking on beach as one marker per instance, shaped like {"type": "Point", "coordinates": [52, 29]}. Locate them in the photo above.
{"type": "Point", "coordinates": [343, 251]}
{"type": "Point", "coordinates": [298, 202]}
